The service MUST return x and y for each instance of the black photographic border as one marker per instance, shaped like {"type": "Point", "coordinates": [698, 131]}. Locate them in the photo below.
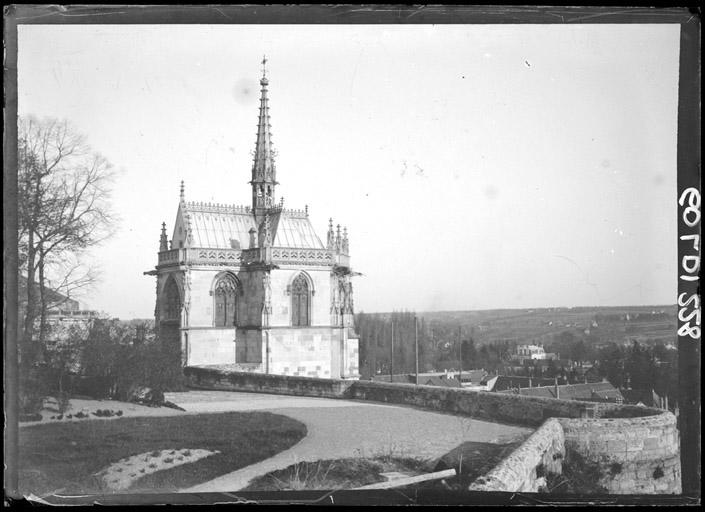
{"type": "Point", "coordinates": [688, 168]}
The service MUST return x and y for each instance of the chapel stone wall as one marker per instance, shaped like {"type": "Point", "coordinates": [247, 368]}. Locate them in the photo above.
{"type": "Point", "coordinates": [211, 346]}
{"type": "Point", "coordinates": [281, 300]}
{"type": "Point", "coordinates": [302, 352]}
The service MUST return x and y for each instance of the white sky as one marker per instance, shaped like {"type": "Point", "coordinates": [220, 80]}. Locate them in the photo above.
{"type": "Point", "coordinates": [475, 166]}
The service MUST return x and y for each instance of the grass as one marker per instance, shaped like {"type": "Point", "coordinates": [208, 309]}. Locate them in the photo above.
{"type": "Point", "coordinates": [470, 460]}
{"type": "Point", "coordinates": [335, 474]}
{"type": "Point", "coordinates": [62, 457]}
{"type": "Point", "coordinates": [579, 476]}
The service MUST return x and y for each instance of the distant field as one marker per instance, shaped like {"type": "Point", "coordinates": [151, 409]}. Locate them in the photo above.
{"type": "Point", "coordinates": [542, 325]}
{"type": "Point", "coordinates": [619, 324]}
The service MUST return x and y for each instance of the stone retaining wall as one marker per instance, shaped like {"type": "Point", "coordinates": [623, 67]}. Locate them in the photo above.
{"type": "Point", "coordinates": [213, 378]}
{"type": "Point", "coordinates": [637, 448]}
{"type": "Point", "coordinates": [636, 455]}
{"type": "Point", "coordinates": [525, 469]}
{"type": "Point", "coordinates": [506, 408]}
{"type": "Point", "coordinates": [501, 407]}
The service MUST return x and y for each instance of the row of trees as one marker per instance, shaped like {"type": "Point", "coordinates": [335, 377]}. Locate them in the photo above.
{"type": "Point", "coordinates": [641, 367]}
{"type": "Point", "coordinates": [440, 345]}
{"type": "Point", "coordinates": [64, 210]}
{"type": "Point", "coordinates": [638, 366]}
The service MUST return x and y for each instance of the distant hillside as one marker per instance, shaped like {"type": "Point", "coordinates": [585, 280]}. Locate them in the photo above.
{"type": "Point", "coordinates": [594, 325]}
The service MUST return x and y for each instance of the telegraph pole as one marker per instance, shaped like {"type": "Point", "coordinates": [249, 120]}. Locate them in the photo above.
{"type": "Point", "coordinates": [416, 345]}
{"type": "Point", "coordinates": [460, 341]}
{"type": "Point", "coordinates": [391, 356]}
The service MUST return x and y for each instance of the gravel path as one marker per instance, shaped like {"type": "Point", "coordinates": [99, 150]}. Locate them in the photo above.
{"type": "Point", "coordinates": [343, 428]}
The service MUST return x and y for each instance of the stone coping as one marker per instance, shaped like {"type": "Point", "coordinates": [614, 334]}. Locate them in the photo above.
{"type": "Point", "coordinates": [455, 400]}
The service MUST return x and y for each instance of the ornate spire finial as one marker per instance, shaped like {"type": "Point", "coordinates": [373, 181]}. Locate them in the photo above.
{"type": "Point", "coordinates": [264, 175]}
{"type": "Point", "coordinates": [163, 243]}
{"type": "Point", "coordinates": [345, 241]}
{"type": "Point", "coordinates": [338, 240]}
{"type": "Point", "coordinates": [264, 66]}
{"type": "Point", "coordinates": [182, 195]}
{"type": "Point", "coordinates": [331, 236]}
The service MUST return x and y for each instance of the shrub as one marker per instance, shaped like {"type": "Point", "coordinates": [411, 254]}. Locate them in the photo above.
{"type": "Point", "coordinates": [152, 365]}
{"type": "Point", "coordinates": [33, 389]}
{"type": "Point", "coordinates": [580, 476]}
{"type": "Point", "coordinates": [107, 355]}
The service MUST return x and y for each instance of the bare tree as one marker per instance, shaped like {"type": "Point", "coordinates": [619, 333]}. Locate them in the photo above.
{"type": "Point", "coordinates": [64, 210]}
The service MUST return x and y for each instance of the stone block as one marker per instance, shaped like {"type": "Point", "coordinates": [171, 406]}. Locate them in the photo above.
{"type": "Point", "coordinates": [651, 443]}
{"type": "Point", "coordinates": [645, 473]}
{"type": "Point", "coordinates": [643, 488]}
{"type": "Point", "coordinates": [635, 444]}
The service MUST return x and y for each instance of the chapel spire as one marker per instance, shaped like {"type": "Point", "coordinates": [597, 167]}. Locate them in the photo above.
{"type": "Point", "coordinates": [264, 176]}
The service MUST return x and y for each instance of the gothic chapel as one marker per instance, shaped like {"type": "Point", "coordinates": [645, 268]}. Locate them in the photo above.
{"type": "Point", "coordinates": [253, 287]}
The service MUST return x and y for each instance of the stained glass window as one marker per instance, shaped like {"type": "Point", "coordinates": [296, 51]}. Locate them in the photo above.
{"type": "Point", "coordinates": [172, 301]}
{"type": "Point", "coordinates": [226, 301]}
{"type": "Point", "coordinates": [300, 301]}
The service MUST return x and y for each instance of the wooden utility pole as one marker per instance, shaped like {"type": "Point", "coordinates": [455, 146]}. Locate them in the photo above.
{"type": "Point", "coordinates": [416, 345]}
{"type": "Point", "coordinates": [391, 357]}
{"type": "Point", "coordinates": [460, 342]}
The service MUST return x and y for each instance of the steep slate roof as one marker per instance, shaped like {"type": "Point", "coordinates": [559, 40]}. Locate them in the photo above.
{"type": "Point", "coordinates": [292, 229]}
{"type": "Point", "coordinates": [213, 227]}
{"type": "Point", "coordinates": [474, 376]}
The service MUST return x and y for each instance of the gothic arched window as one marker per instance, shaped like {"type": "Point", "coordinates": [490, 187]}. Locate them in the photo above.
{"type": "Point", "coordinates": [300, 301]}
{"type": "Point", "coordinates": [225, 292]}
{"type": "Point", "coordinates": [172, 302]}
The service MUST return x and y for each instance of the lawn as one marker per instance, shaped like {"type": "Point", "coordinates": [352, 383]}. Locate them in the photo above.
{"type": "Point", "coordinates": [62, 458]}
